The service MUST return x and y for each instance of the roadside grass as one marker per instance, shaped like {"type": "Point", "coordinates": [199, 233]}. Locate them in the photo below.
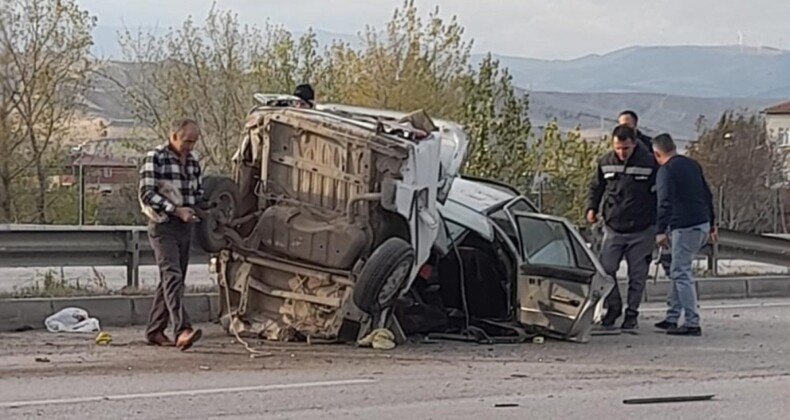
{"type": "Point", "coordinates": [55, 284]}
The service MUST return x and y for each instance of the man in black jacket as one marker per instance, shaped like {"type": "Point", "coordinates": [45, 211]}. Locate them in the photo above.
{"type": "Point", "coordinates": [624, 188]}
{"type": "Point", "coordinates": [630, 119]}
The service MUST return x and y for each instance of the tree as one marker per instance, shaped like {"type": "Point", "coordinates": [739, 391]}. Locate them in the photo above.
{"type": "Point", "coordinates": [741, 167]}
{"type": "Point", "coordinates": [495, 118]}
{"type": "Point", "coordinates": [45, 48]}
{"type": "Point", "coordinates": [567, 161]}
{"type": "Point", "coordinates": [412, 64]}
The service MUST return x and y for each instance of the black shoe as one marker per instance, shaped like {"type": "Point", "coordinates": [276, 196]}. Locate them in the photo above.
{"type": "Point", "coordinates": [666, 325]}
{"type": "Point", "coordinates": [630, 323]}
{"type": "Point", "coordinates": [684, 330]}
{"type": "Point", "coordinates": [610, 318]}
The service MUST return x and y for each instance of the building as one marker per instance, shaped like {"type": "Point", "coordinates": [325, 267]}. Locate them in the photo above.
{"type": "Point", "coordinates": [102, 174]}
{"type": "Point", "coordinates": [777, 123]}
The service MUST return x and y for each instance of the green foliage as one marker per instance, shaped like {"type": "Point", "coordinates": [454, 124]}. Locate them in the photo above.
{"type": "Point", "coordinates": [209, 71]}
{"type": "Point", "coordinates": [45, 67]}
{"type": "Point", "coordinates": [567, 161]}
{"type": "Point", "coordinates": [495, 117]}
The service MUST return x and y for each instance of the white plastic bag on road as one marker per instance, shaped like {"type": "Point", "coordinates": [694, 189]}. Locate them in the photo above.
{"type": "Point", "coordinates": [72, 320]}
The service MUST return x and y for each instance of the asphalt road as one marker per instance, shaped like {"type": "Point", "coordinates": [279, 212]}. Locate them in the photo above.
{"type": "Point", "coordinates": [742, 359]}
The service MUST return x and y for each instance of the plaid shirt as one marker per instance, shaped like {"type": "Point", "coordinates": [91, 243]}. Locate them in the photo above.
{"type": "Point", "coordinates": [161, 164]}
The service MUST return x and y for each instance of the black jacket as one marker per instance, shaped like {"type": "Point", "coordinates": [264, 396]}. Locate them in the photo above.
{"type": "Point", "coordinates": [627, 190]}
{"type": "Point", "coordinates": [645, 139]}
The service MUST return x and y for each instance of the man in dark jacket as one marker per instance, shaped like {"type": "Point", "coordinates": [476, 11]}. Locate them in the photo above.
{"type": "Point", "coordinates": [306, 93]}
{"type": "Point", "coordinates": [685, 210]}
{"type": "Point", "coordinates": [630, 119]}
{"type": "Point", "coordinates": [624, 188]}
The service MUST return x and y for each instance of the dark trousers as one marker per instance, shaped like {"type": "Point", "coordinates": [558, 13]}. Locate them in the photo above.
{"type": "Point", "coordinates": [637, 249]}
{"type": "Point", "coordinates": [170, 242]}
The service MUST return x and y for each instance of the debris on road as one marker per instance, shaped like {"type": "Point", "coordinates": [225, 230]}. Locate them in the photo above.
{"type": "Point", "coordinates": [379, 339]}
{"type": "Point", "coordinates": [538, 340]}
{"type": "Point", "coordinates": [42, 359]}
{"type": "Point", "coordinates": [662, 400]}
{"type": "Point", "coordinates": [72, 319]}
{"type": "Point", "coordinates": [103, 338]}
{"type": "Point", "coordinates": [506, 405]}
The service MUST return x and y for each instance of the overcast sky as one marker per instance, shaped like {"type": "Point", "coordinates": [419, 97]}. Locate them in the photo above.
{"type": "Point", "coordinates": [529, 28]}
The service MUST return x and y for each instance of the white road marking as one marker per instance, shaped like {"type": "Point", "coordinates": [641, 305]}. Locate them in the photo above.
{"type": "Point", "coordinates": [184, 393]}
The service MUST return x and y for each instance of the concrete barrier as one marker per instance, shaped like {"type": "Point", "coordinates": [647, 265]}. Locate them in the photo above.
{"type": "Point", "coordinates": [112, 311]}
{"type": "Point", "coordinates": [119, 311]}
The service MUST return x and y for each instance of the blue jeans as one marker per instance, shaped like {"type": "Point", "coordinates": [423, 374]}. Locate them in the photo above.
{"type": "Point", "coordinates": [684, 244]}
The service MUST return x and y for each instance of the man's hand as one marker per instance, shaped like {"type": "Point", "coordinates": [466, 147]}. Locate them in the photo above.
{"type": "Point", "coordinates": [592, 218]}
{"type": "Point", "coordinates": [186, 214]}
{"type": "Point", "coordinates": [661, 240]}
{"type": "Point", "coordinates": [714, 234]}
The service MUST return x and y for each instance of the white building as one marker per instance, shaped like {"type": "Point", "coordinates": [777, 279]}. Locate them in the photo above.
{"type": "Point", "coordinates": [777, 123]}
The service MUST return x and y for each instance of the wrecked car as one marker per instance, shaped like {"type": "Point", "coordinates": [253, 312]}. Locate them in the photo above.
{"type": "Point", "coordinates": [327, 220]}
{"type": "Point", "coordinates": [339, 215]}
{"type": "Point", "coordinates": [503, 272]}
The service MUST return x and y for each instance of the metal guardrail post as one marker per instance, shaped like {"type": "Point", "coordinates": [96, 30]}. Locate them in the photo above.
{"type": "Point", "coordinates": [133, 259]}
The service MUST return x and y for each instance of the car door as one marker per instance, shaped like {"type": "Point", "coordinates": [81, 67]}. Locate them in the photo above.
{"type": "Point", "coordinates": [560, 285]}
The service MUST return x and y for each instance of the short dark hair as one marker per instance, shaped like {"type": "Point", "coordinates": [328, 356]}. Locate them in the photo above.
{"type": "Point", "coordinates": [631, 114]}
{"type": "Point", "coordinates": [624, 132]}
{"type": "Point", "coordinates": [305, 92]}
{"type": "Point", "coordinates": [664, 143]}
{"type": "Point", "coordinates": [182, 123]}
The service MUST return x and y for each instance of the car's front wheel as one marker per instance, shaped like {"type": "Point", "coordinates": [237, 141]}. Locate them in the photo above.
{"type": "Point", "coordinates": [222, 195]}
{"type": "Point", "coordinates": [384, 276]}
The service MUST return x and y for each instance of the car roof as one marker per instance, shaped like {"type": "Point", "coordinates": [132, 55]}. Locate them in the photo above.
{"type": "Point", "coordinates": [469, 202]}
{"type": "Point", "coordinates": [478, 194]}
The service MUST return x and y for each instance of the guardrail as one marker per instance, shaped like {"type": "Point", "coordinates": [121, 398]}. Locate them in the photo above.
{"type": "Point", "coordinates": [732, 245]}
{"type": "Point", "coordinates": [70, 246]}
{"type": "Point", "coordinates": [75, 246]}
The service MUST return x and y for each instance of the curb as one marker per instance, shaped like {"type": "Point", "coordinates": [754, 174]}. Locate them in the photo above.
{"type": "Point", "coordinates": [123, 311]}
{"type": "Point", "coordinates": [723, 288]}
{"type": "Point", "coordinates": [112, 311]}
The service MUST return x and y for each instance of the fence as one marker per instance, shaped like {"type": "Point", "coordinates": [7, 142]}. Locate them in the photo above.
{"type": "Point", "coordinates": [80, 246]}
{"type": "Point", "coordinates": [84, 246]}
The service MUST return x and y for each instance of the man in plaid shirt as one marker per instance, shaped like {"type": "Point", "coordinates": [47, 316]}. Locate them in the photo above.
{"type": "Point", "coordinates": [172, 168]}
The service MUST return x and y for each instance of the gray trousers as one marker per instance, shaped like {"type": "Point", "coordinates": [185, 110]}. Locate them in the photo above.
{"type": "Point", "coordinates": [637, 249]}
{"type": "Point", "coordinates": [170, 242]}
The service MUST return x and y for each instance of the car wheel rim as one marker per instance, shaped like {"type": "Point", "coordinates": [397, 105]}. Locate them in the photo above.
{"type": "Point", "coordinates": [223, 212]}
{"type": "Point", "coordinates": [394, 282]}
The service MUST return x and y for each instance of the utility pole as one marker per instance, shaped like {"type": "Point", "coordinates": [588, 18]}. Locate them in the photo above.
{"type": "Point", "coordinates": [80, 149]}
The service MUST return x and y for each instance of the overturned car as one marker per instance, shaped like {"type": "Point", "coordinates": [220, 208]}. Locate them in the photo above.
{"type": "Point", "coordinates": [336, 215]}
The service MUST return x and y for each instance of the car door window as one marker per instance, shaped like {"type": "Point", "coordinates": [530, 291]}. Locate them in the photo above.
{"type": "Point", "coordinates": [547, 242]}
{"type": "Point", "coordinates": [503, 220]}
{"type": "Point", "coordinates": [506, 221]}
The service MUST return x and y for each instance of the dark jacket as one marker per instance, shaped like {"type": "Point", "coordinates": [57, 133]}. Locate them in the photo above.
{"type": "Point", "coordinates": [684, 199]}
{"type": "Point", "coordinates": [627, 190]}
{"type": "Point", "coordinates": [645, 139]}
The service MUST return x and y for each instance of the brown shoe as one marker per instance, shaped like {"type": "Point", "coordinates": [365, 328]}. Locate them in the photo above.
{"type": "Point", "coordinates": [160, 340]}
{"type": "Point", "coordinates": [187, 338]}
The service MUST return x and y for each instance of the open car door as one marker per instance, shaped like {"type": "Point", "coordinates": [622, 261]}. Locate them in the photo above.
{"type": "Point", "coordinates": [561, 284]}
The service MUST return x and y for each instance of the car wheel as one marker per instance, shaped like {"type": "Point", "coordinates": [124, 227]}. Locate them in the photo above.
{"type": "Point", "coordinates": [222, 195]}
{"type": "Point", "coordinates": [384, 275]}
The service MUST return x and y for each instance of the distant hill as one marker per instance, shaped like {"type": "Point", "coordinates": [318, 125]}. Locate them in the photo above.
{"type": "Point", "coordinates": [707, 72]}
{"type": "Point", "coordinates": [670, 87]}
{"type": "Point", "coordinates": [596, 112]}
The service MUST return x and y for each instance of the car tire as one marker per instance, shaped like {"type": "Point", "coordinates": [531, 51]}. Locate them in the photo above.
{"type": "Point", "coordinates": [384, 275]}
{"type": "Point", "coordinates": [222, 195]}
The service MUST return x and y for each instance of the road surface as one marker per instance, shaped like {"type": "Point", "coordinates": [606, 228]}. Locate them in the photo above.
{"type": "Point", "coordinates": [742, 359]}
